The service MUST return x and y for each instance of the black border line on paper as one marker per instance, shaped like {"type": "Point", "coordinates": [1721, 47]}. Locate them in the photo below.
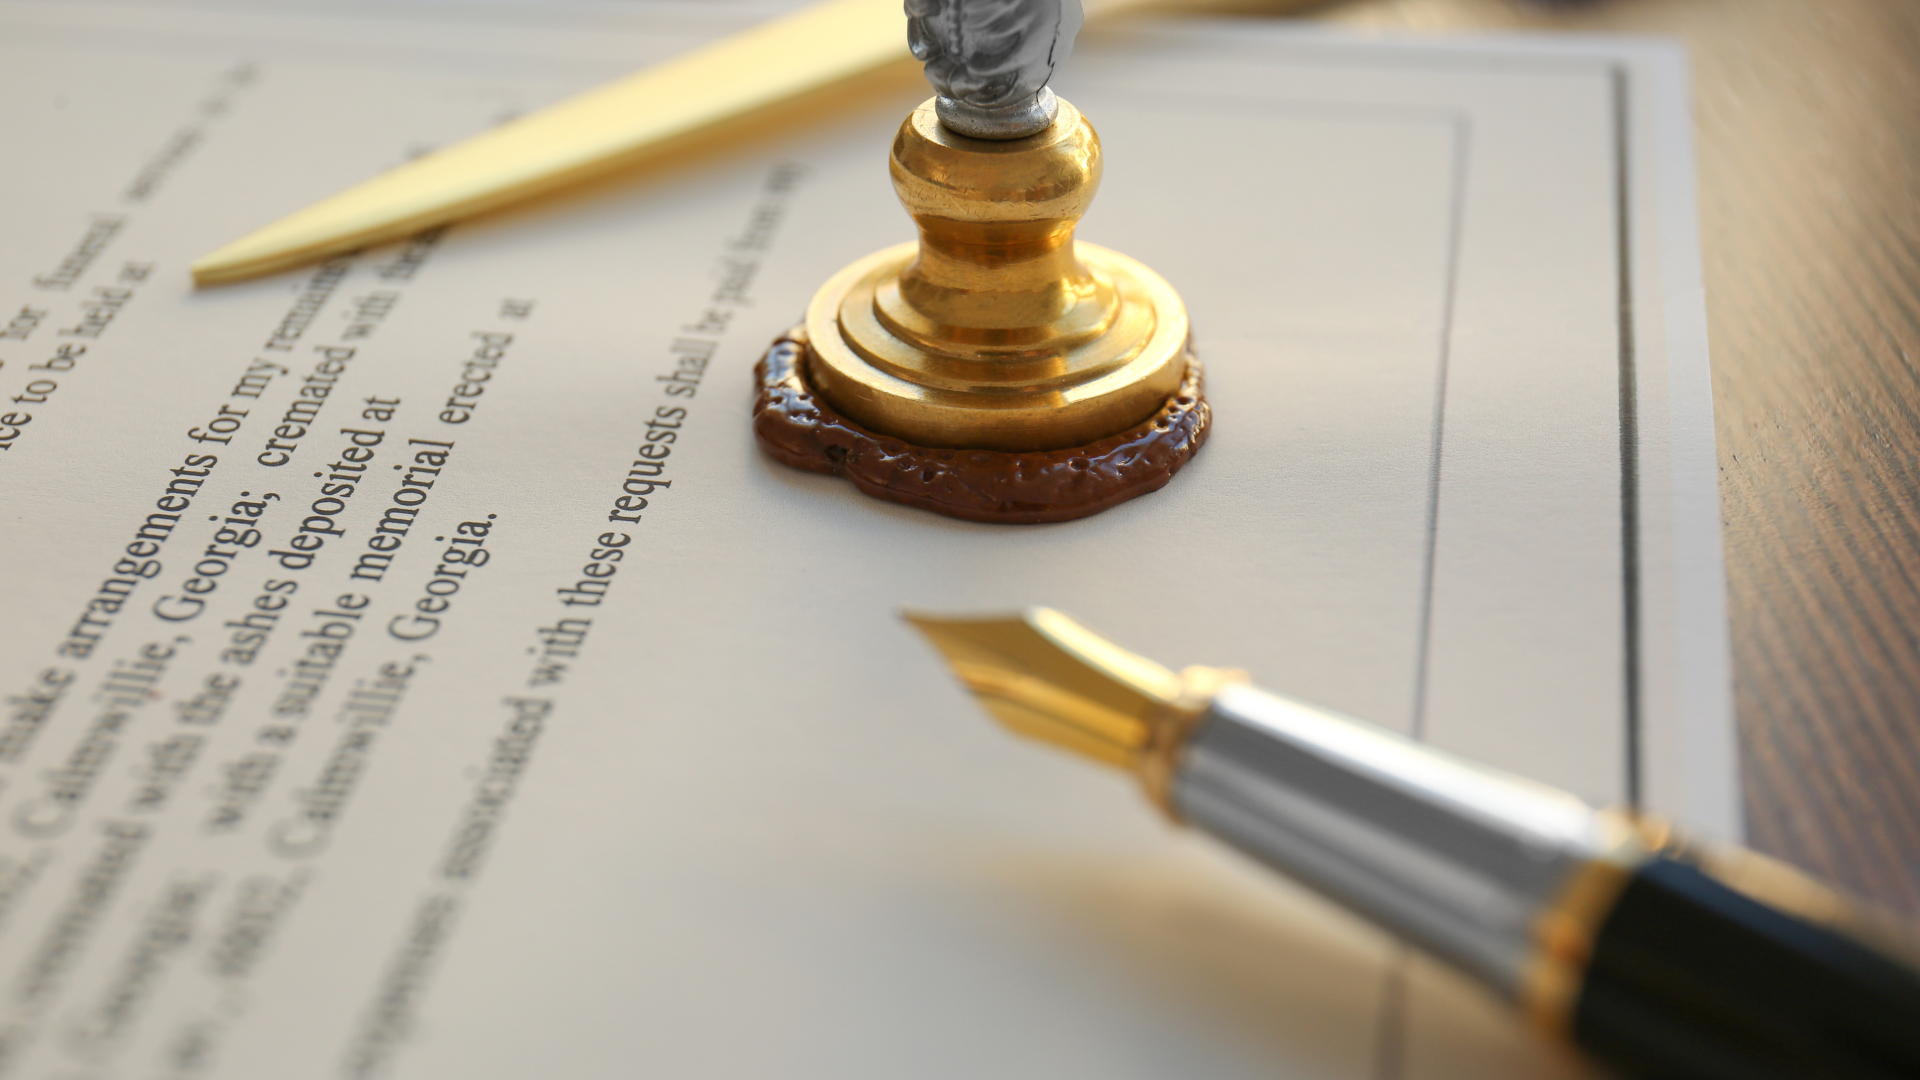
{"type": "Point", "coordinates": [1619, 74]}
{"type": "Point", "coordinates": [1629, 440]}
{"type": "Point", "coordinates": [1392, 1036]}
{"type": "Point", "coordinates": [1391, 1039]}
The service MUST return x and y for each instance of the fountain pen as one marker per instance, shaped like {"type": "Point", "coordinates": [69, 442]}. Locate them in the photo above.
{"type": "Point", "coordinates": [1661, 957]}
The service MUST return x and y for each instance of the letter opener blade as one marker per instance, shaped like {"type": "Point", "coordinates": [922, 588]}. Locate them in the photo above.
{"type": "Point", "coordinates": [594, 133]}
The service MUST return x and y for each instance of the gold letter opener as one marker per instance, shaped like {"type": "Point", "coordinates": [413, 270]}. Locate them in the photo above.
{"type": "Point", "coordinates": [593, 134]}
{"type": "Point", "coordinates": [582, 137]}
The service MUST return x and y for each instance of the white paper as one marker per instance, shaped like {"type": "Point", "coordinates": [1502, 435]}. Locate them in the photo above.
{"type": "Point", "coordinates": [734, 819]}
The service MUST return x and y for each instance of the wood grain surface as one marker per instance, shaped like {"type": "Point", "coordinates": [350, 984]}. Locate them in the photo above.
{"type": "Point", "coordinates": [1808, 125]}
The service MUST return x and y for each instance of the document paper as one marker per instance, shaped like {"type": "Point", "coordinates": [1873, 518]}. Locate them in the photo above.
{"type": "Point", "coordinates": [413, 668]}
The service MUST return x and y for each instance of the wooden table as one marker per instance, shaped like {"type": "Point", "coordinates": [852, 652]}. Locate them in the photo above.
{"type": "Point", "coordinates": [1808, 124]}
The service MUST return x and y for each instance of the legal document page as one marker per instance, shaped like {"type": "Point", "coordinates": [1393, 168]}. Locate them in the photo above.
{"type": "Point", "coordinates": [411, 667]}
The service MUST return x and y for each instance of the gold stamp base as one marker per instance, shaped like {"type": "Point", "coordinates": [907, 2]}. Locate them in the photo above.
{"type": "Point", "coordinates": [797, 427]}
{"type": "Point", "coordinates": [1045, 387]}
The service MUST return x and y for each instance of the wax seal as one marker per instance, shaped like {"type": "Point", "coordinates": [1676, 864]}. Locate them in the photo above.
{"type": "Point", "coordinates": [997, 333]}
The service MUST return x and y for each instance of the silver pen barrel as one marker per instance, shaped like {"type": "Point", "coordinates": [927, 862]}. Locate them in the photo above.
{"type": "Point", "coordinates": [1459, 859]}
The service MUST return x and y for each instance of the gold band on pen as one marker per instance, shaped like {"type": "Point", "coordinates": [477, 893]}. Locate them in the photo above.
{"type": "Point", "coordinates": [1159, 762]}
{"type": "Point", "coordinates": [1564, 936]}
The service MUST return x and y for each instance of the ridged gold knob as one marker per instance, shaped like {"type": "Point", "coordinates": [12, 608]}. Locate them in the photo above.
{"type": "Point", "coordinates": [997, 330]}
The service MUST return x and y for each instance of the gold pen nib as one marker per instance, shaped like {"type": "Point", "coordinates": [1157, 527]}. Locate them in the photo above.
{"type": "Point", "coordinates": [1049, 678]}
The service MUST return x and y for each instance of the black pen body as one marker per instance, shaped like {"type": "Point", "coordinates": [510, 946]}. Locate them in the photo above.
{"type": "Point", "coordinates": [1691, 975]}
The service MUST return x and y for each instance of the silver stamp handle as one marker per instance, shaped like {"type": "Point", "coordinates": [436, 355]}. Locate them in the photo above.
{"type": "Point", "coordinates": [990, 60]}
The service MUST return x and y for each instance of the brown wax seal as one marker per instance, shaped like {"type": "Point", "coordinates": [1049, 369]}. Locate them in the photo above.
{"type": "Point", "coordinates": [798, 428]}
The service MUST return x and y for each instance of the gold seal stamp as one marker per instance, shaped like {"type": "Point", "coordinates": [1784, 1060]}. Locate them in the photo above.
{"type": "Point", "coordinates": [997, 333]}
